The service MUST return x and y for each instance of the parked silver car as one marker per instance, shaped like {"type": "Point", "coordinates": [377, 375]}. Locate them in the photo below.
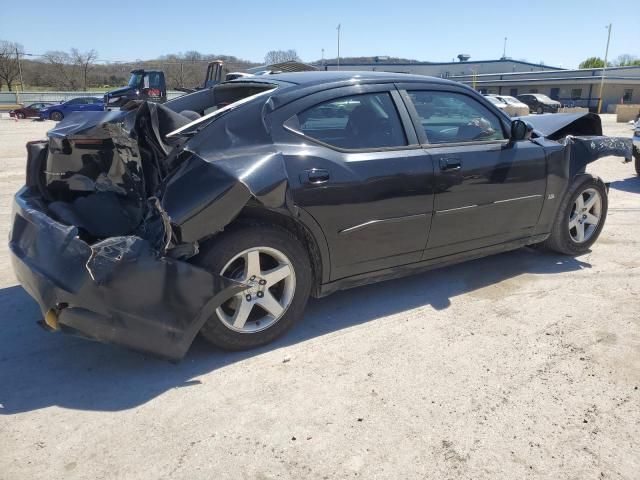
{"type": "Point", "coordinates": [514, 107]}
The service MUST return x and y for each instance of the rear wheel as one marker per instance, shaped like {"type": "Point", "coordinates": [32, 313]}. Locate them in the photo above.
{"type": "Point", "coordinates": [636, 156]}
{"type": "Point", "coordinates": [56, 116]}
{"type": "Point", "coordinates": [580, 217]}
{"type": "Point", "coordinates": [276, 268]}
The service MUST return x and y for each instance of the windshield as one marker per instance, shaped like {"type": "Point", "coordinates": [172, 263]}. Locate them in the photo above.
{"type": "Point", "coordinates": [495, 101]}
{"type": "Point", "coordinates": [510, 100]}
{"type": "Point", "coordinates": [542, 98]}
{"type": "Point", "coordinates": [135, 79]}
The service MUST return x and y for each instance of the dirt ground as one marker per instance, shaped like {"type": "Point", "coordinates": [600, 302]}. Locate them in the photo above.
{"type": "Point", "coordinates": [519, 366]}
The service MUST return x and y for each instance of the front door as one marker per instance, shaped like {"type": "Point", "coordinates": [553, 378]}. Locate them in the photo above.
{"type": "Point", "coordinates": [362, 176]}
{"type": "Point", "coordinates": [489, 190]}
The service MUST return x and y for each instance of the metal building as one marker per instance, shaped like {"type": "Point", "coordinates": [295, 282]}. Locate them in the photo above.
{"type": "Point", "coordinates": [577, 87]}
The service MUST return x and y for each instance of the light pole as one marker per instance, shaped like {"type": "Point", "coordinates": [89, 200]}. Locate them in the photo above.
{"type": "Point", "coordinates": [20, 69]}
{"type": "Point", "coordinates": [338, 28]}
{"type": "Point", "coordinates": [604, 69]}
{"type": "Point", "coordinates": [504, 49]}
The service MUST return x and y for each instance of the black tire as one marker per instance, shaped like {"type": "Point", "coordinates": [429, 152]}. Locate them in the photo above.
{"type": "Point", "coordinates": [237, 238]}
{"type": "Point", "coordinates": [20, 115]}
{"type": "Point", "coordinates": [56, 116]}
{"type": "Point", "coordinates": [636, 156]}
{"type": "Point", "coordinates": [540, 110]}
{"type": "Point", "coordinates": [560, 239]}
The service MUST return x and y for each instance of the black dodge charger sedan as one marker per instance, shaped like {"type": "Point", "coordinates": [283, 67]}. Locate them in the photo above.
{"type": "Point", "coordinates": [539, 103]}
{"type": "Point", "coordinates": [221, 211]}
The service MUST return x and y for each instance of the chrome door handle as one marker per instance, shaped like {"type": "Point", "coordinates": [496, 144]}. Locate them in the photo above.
{"type": "Point", "coordinates": [315, 176]}
{"type": "Point", "coordinates": [450, 163]}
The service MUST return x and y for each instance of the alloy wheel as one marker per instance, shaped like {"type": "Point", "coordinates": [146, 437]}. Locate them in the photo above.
{"type": "Point", "coordinates": [272, 283]}
{"type": "Point", "coordinates": [585, 215]}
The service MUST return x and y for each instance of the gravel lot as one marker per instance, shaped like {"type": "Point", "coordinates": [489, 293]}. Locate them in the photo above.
{"type": "Point", "coordinates": [523, 365]}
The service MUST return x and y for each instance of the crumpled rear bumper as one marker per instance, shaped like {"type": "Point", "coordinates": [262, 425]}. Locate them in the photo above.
{"type": "Point", "coordinates": [118, 290]}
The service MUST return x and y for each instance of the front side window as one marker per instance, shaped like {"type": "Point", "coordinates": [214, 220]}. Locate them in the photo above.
{"type": "Point", "coordinates": [135, 79]}
{"type": "Point", "coordinates": [153, 80]}
{"type": "Point", "coordinates": [366, 121]}
{"type": "Point", "coordinates": [449, 117]}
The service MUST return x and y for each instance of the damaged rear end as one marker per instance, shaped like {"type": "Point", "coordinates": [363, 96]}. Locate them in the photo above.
{"type": "Point", "coordinates": [112, 210]}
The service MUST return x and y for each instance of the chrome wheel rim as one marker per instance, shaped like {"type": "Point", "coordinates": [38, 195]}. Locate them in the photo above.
{"type": "Point", "coordinates": [585, 215]}
{"type": "Point", "coordinates": [272, 283]}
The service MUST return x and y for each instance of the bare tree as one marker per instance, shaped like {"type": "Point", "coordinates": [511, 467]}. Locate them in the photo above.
{"type": "Point", "coordinates": [85, 61]}
{"type": "Point", "coordinates": [63, 70]}
{"type": "Point", "coordinates": [626, 60]}
{"type": "Point", "coordinates": [9, 62]}
{"type": "Point", "coordinates": [280, 56]}
{"type": "Point", "coordinates": [193, 56]}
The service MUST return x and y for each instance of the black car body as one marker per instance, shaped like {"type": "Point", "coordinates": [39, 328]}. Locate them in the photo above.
{"type": "Point", "coordinates": [539, 103]}
{"type": "Point", "coordinates": [143, 84]}
{"type": "Point", "coordinates": [117, 205]}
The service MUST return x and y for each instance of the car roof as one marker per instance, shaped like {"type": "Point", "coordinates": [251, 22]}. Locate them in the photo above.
{"type": "Point", "coordinates": [294, 85]}
{"type": "Point", "coordinates": [330, 76]}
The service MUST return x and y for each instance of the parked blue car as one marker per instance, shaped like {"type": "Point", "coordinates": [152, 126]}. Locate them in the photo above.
{"type": "Point", "coordinates": [82, 104]}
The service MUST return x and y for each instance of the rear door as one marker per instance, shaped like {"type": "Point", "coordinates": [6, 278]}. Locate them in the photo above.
{"type": "Point", "coordinates": [489, 190]}
{"type": "Point", "coordinates": [357, 168]}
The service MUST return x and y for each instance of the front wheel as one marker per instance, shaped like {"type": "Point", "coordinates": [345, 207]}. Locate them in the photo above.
{"type": "Point", "coordinates": [20, 115]}
{"type": "Point", "coordinates": [540, 111]}
{"type": "Point", "coordinates": [275, 266]}
{"type": "Point", "coordinates": [56, 116]}
{"type": "Point", "coordinates": [580, 217]}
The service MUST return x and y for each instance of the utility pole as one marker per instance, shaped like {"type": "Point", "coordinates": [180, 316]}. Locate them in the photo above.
{"type": "Point", "coordinates": [504, 49]}
{"type": "Point", "coordinates": [20, 69]}
{"type": "Point", "coordinates": [604, 69]}
{"type": "Point", "coordinates": [339, 27]}
{"type": "Point", "coordinates": [322, 62]}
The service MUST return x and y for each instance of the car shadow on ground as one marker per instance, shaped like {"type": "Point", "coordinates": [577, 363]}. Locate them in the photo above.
{"type": "Point", "coordinates": [39, 369]}
{"type": "Point", "coordinates": [631, 184]}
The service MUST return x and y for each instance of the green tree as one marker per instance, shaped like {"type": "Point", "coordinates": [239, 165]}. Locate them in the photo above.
{"type": "Point", "coordinates": [592, 62]}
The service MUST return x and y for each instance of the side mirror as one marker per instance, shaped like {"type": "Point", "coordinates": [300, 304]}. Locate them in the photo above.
{"type": "Point", "coordinates": [520, 130]}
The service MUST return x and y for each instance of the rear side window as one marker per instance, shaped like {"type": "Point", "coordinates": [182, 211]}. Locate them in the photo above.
{"type": "Point", "coordinates": [449, 117]}
{"type": "Point", "coordinates": [365, 121]}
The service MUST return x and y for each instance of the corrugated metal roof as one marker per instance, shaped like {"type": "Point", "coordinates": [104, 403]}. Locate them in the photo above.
{"type": "Point", "coordinates": [285, 67]}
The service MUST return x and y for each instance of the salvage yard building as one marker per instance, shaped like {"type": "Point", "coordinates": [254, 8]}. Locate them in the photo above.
{"type": "Point", "coordinates": [571, 87]}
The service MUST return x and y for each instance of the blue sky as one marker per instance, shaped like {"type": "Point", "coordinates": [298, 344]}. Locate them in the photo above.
{"type": "Point", "coordinates": [560, 32]}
